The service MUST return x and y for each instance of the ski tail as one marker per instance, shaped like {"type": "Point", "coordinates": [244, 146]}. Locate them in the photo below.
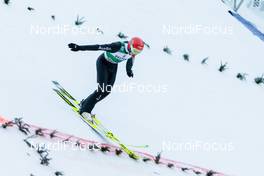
{"type": "Point", "coordinates": [66, 100]}
{"type": "Point", "coordinates": [65, 92]}
{"type": "Point", "coordinates": [70, 100]}
{"type": "Point", "coordinates": [76, 110]}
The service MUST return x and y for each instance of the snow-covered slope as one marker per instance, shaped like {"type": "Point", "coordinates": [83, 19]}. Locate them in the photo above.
{"type": "Point", "coordinates": [65, 159]}
{"type": "Point", "coordinates": [200, 104]}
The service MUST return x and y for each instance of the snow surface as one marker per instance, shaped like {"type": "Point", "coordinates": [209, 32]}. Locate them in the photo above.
{"type": "Point", "coordinates": [200, 104]}
{"type": "Point", "coordinates": [67, 159]}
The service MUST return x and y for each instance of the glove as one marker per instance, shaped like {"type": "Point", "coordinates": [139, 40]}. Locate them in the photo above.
{"type": "Point", "coordinates": [74, 47]}
{"type": "Point", "coordinates": [130, 74]}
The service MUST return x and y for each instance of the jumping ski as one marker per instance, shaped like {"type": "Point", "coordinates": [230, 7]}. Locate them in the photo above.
{"type": "Point", "coordinates": [94, 123]}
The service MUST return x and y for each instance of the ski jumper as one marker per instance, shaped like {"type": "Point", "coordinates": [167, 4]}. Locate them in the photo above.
{"type": "Point", "coordinates": [106, 65]}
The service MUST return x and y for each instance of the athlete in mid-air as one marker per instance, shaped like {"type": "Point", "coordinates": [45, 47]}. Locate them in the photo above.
{"type": "Point", "coordinates": [106, 66]}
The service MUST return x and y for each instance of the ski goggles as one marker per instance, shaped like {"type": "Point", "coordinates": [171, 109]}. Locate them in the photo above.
{"type": "Point", "coordinates": [135, 50]}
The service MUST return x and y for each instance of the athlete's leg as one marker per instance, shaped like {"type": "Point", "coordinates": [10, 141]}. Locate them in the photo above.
{"type": "Point", "coordinates": [112, 70]}
{"type": "Point", "coordinates": [102, 76]}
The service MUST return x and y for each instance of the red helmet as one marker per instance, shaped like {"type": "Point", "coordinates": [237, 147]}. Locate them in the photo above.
{"type": "Point", "coordinates": [136, 45]}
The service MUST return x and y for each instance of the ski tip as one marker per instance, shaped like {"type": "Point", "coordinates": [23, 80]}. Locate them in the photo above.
{"type": "Point", "coordinates": [134, 156]}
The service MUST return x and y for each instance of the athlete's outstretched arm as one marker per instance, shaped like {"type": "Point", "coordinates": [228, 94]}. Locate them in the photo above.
{"type": "Point", "coordinates": [113, 47]}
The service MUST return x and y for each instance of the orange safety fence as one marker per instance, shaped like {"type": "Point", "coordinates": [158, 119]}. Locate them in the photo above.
{"type": "Point", "coordinates": [3, 120]}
